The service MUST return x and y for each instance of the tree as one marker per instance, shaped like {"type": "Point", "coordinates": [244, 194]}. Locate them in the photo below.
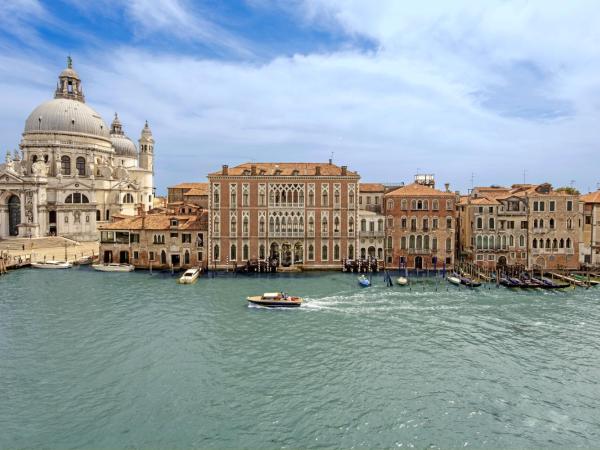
{"type": "Point", "coordinates": [569, 190]}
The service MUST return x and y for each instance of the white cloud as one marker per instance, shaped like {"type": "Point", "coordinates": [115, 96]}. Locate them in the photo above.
{"type": "Point", "coordinates": [440, 93]}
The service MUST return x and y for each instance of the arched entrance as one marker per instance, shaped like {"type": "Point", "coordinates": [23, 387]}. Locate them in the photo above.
{"type": "Point", "coordinates": [371, 252]}
{"type": "Point", "coordinates": [286, 255]}
{"type": "Point", "coordinates": [14, 215]}
{"type": "Point", "coordinates": [540, 262]}
{"type": "Point", "coordinates": [363, 253]}
{"type": "Point", "coordinates": [502, 261]}
{"type": "Point", "coordinates": [418, 262]}
{"type": "Point", "coordinates": [274, 251]}
{"type": "Point", "coordinates": [298, 253]}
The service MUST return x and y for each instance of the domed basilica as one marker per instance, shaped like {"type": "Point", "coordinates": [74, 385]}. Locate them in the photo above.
{"type": "Point", "coordinates": [73, 172]}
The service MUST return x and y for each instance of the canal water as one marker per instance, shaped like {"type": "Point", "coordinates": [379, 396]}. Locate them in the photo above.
{"type": "Point", "coordinates": [106, 360]}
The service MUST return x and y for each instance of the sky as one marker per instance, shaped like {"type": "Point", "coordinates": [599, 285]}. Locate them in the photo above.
{"type": "Point", "coordinates": [477, 93]}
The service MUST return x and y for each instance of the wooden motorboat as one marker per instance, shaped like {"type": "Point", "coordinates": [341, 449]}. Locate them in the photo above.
{"type": "Point", "coordinates": [189, 276]}
{"type": "Point", "coordinates": [85, 260]}
{"type": "Point", "coordinates": [275, 300]}
{"type": "Point", "coordinates": [52, 265]}
{"type": "Point", "coordinates": [364, 281]}
{"type": "Point", "coordinates": [113, 267]}
{"type": "Point", "coordinates": [454, 280]}
{"type": "Point", "coordinates": [402, 281]}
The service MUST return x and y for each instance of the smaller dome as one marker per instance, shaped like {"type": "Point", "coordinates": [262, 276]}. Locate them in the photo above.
{"type": "Point", "coordinates": [123, 146]}
{"type": "Point", "coordinates": [69, 73]}
{"type": "Point", "coordinates": [121, 143]}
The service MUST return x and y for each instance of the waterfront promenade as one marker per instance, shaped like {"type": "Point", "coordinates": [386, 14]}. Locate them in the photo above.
{"type": "Point", "coordinates": [49, 248]}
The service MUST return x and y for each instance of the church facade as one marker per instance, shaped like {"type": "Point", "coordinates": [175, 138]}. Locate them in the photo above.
{"type": "Point", "coordinates": [73, 172]}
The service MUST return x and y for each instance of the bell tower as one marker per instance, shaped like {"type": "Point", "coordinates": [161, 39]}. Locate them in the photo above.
{"type": "Point", "coordinates": [69, 84]}
{"type": "Point", "coordinates": [146, 149]}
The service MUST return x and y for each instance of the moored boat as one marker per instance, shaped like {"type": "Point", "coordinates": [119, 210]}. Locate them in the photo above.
{"type": "Point", "coordinates": [52, 265]}
{"type": "Point", "coordinates": [469, 282]}
{"type": "Point", "coordinates": [402, 281]}
{"type": "Point", "coordinates": [113, 267]}
{"type": "Point", "coordinates": [454, 280]}
{"type": "Point", "coordinates": [275, 300]}
{"type": "Point", "coordinates": [189, 276]}
{"type": "Point", "coordinates": [85, 260]}
{"type": "Point", "coordinates": [364, 281]}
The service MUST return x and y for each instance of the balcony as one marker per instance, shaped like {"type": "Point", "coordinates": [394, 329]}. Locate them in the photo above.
{"type": "Point", "coordinates": [290, 234]}
{"type": "Point", "coordinates": [415, 251]}
{"type": "Point", "coordinates": [372, 233]}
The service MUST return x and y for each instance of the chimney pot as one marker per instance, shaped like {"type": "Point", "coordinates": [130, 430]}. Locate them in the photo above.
{"type": "Point", "coordinates": [344, 171]}
{"type": "Point", "coordinates": [447, 186]}
{"type": "Point", "coordinates": [318, 170]}
{"type": "Point", "coordinates": [225, 169]}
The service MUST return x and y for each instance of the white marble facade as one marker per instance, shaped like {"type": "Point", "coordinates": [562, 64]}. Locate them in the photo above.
{"type": "Point", "coordinates": [73, 172]}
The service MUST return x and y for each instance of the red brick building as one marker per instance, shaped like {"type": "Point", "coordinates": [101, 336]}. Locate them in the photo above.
{"type": "Point", "coordinates": [420, 225]}
{"type": "Point", "coordinates": [299, 214]}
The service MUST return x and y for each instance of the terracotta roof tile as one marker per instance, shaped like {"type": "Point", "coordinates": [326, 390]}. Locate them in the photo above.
{"type": "Point", "coordinates": [416, 189]}
{"type": "Point", "coordinates": [197, 192]}
{"type": "Point", "coordinates": [201, 186]}
{"type": "Point", "coordinates": [157, 222]}
{"type": "Point", "coordinates": [592, 197]}
{"type": "Point", "coordinates": [285, 169]}
{"type": "Point", "coordinates": [371, 187]}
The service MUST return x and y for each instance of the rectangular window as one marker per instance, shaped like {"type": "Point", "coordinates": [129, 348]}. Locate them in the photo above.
{"type": "Point", "coordinates": [151, 256]}
{"type": "Point", "coordinates": [542, 206]}
{"type": "Point", "coordinates": [588, 220]}
{"type": "Point", "coordinates": [569, 205]}
{"type": "Point", "coordinates": [535, 206]}
{"type": "Point", "coordinates": [136, 255]}
{"type": "Point", "coordinates": [200, 257]}
{"type": "Point", "coordinates": [186, 238]}
{"type": "Point", "coordinates": [491, 209]}
{"type": "Point", "coordinates": [552, 205]}
{"type": "Point", "coordinates": [134, 238]}
{"type": "Point", "coordinates": [174, 235]}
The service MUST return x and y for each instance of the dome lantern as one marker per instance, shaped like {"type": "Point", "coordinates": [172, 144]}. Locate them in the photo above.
{"type": "Point", "coordinates": [69, 84]}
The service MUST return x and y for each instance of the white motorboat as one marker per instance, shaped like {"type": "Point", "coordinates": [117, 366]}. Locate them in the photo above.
{"type": "Point", "coordinates": [113, 267]}
{"type": "Point", "coordinates": [453, 280]}
{"type": "Point", "coordinates": [52, 265]}
{"type": "Point", "coordinates": [189, 276]}
{"type": "Point", "coordinates": [402, 281]}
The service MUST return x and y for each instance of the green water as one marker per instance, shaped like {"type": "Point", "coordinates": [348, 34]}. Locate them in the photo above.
{"type": "Point", "coordinates": [131, 360]}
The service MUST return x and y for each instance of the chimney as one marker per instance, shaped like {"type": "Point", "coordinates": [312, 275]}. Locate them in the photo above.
{"type": "Point", "coordinates": [225, 169]}
{"type": "Point", "coordinates": [344, 171]}
{"type": "Point", "coordinates": [141, 210]}
{"type": "Point", "coordinates": [253, 169]}
{"type": "Point", "coordinates": [318, 170]}
{"type": "Point", "coordinates": [330, 161]}
{"type": "Point", "coordinates": [447, 186]}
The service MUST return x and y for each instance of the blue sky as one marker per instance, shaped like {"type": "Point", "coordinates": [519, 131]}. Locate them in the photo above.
{"type": "Point", "coordinates": [467, 90]}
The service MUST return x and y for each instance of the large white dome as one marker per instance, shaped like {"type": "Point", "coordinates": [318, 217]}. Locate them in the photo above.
{"type": "Point", "coordinates": [68, 116]}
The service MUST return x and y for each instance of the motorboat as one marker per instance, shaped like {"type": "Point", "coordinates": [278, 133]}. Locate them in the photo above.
{"type": "Point", "coordinates": [364, 281]}
{"type": "Point", "coordinates": [52, 265]}
{"type": "Point", "coordinates": [85, 260]}
{"type": "Point", "coordinates": [113, 267]}
{"type": "Point", "coordinates": [454, 280]}
{"type": "Point", "coordinates": [275, 300]}
{"type": "Point", "coordinates": [402, 281]}
{"type": "Point", "coordinates": [189, 276]}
